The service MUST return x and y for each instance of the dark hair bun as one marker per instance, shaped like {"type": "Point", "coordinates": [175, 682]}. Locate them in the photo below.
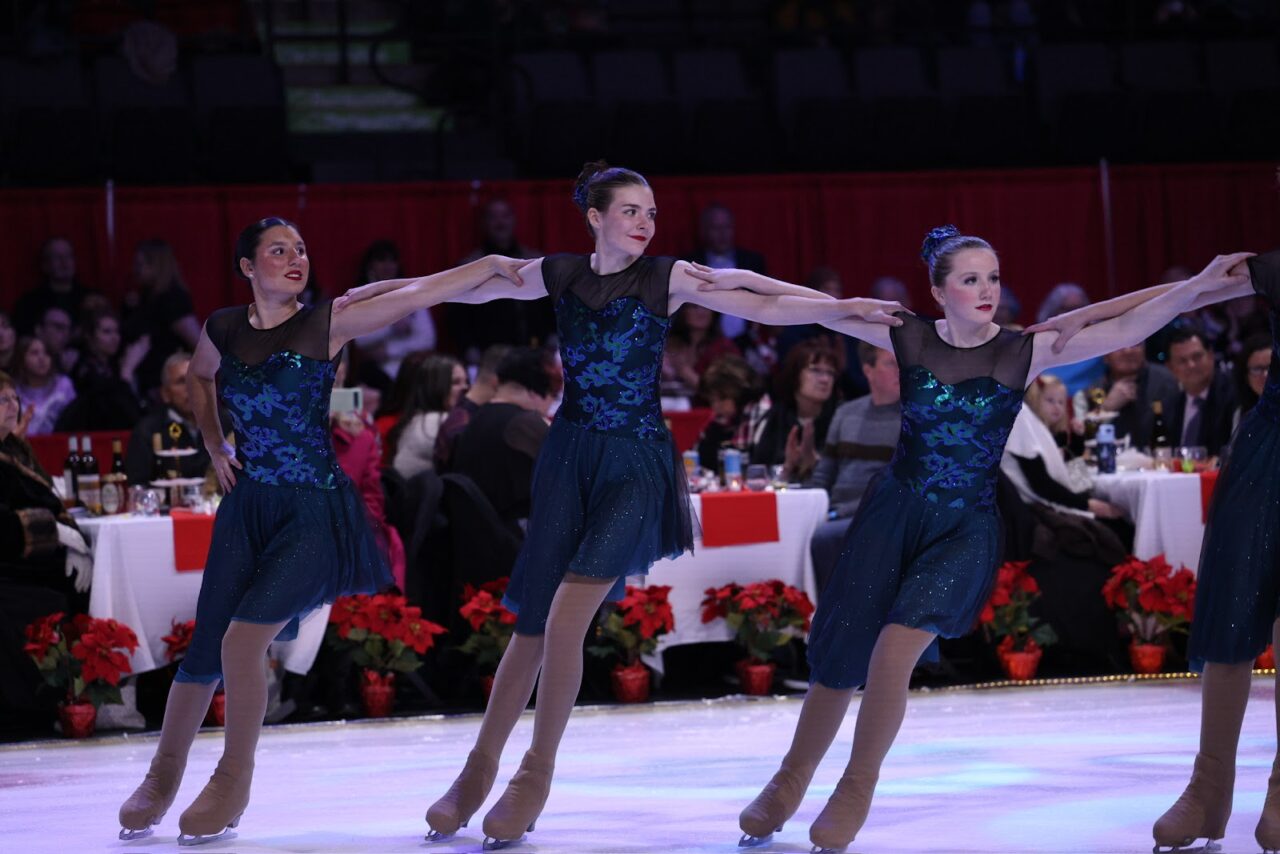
{"type": "Point", "coordinates": [582, 187]}
{"type": "Point", "coordinates": [935, 238]}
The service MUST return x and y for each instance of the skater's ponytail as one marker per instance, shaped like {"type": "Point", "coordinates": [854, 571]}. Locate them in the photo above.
{"type": "Point", "coordinates": [247, 242]}
{"type": "Point", "coordinates": [940, 244]}
{"type": "Point", "coordinates": [596, 183]}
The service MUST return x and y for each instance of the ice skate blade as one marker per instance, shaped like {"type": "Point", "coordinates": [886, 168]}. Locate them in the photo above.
{"type": "Point", "coordinates": [130, 835]}
{"type": "Point", "coordinates": [1188, 847]}
{"type": "Point", "coordinates": [818, 849]}
{"type": "Point", "coordinates": [491, 844]}
{"type": "Point", "coordinates": [187, 841]}
{"type": "Point", "coordinates": [749, 841]}
{"type": "Point", "coordinates": [437, 836]}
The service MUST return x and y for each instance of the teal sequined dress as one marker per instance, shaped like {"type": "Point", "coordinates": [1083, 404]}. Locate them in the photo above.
{"type": "Point", "coordinates": [923, 548]}
{"type": "Point", "coordinates": [292, 534]}
{"type": "Point", "coordinates": [609, 490]}
{"type": "Point", "coordinates": [1238, 586]}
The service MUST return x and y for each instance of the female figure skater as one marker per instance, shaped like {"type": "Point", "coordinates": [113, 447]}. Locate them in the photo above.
{"type": "Point", "coordinates": [921, 552]}
{"type": "Point", "coordinates": [1237, 589]}
{"type": "Point", "coordinates": [609, 489]}
{"type": "Point", "coordinates": [291, 533]}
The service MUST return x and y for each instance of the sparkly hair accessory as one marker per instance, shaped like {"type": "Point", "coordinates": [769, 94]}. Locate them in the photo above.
{"type": "Point", "coordinates": [935, 238]}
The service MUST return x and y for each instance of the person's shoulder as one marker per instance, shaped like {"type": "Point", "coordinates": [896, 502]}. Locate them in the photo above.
{"type": "Point", "coordinates": [853, 408]}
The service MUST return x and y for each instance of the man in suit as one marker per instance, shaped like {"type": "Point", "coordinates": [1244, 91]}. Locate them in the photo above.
{"type": "Point", "coordinates": [1200, 414]}
{"type": "Point", "coordinates": [718, 250]}
{"type": "Point", "coordinates": [175, 424]}
{"type": "Point", "coordinates": [1131, 385]}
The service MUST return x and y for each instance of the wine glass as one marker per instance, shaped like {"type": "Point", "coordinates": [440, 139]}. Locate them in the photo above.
{"type": "Point", "coordinates": [757, 477]}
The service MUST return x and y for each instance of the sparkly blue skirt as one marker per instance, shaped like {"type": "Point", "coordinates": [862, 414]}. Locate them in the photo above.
{"type": "Point", "coordinates": [278, 553]}
{"type": "Point", "coordinates": [604, 506]}
{"type": "Point", "coordinates": [907, 561]}
{"type": "Point", "coordinates": [1238, 585]}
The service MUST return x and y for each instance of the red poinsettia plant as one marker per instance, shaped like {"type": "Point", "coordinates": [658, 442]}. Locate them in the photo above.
{"type": "Point", "coordinates": [384, 631]}
{"type": "Point", "coordinates": [83, 657]}
{"type": "Point", "coordinates": [1007, 615]}
{"type": "Point", "coordinates": [1152, 599]}
{"type": "Point", "coordinates": [764, 616]}
{"type": "Point", "coordinates": [491, 623]}
{"type": "Point", "coordinates": [631, 628]}
{"type": "Point", "coordinates": [178, 641]}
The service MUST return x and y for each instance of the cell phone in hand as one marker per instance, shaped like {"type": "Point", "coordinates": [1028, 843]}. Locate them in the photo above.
{"type": "Point", "coordinates": [346, 400]}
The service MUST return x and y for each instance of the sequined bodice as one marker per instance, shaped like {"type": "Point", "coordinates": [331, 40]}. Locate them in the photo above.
{"type": "Point", "coordinates": [612, 360]}
{"type": "Point", "coordinates": [613, 329]}
{"type": "Point", "coordinates": [280, 409]}
{"type": "Point", "coordinates": [958, 408]}
{"type": "Point", "coordinates": [953, 437]}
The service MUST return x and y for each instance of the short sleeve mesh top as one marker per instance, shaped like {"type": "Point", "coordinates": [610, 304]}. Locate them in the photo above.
{"type": "Point", "coordinates": [958, 407]}
{"type": "Point", "coordinates": [275, 383]}
{"type": "Point", "coordinates": [613, 330]}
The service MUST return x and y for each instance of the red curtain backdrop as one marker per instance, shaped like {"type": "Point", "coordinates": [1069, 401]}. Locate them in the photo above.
{"type": "Point", "coordinates": [1048, 224]}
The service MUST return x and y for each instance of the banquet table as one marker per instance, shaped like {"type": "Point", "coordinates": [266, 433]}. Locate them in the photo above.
{"type": "Point", "coordinates": [799, 512]}
{"type": "Point", "coordinates": [136, 582]}
{"type": "Point", "coordinates": [1166, 509]}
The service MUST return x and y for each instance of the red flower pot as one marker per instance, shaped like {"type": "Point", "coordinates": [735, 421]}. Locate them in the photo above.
{"type": "Point", "coordinates": [77, 719]}
{"type": "Point", "coordinates": [1266, 661]}
{"type": "Point", "coordinates": [1020, 666]}
{"type": "Point", "coordinates": [757, 678]}
{"type": "Point", "coordinates": [486, 684]}
{"type": "Point", "coordinates": [378, 694]}
{"type": "Point", "coordinates": [631, 684]}
{"type": "Point", "coordinates": [1146, 657]}
{"type": "Point", "coordinates": [217, 714]}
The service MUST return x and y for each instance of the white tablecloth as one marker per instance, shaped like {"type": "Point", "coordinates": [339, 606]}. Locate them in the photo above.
{"type": "Point", "coordinates": [800, 511]}
{"type": "Point", "coordinates": [1165, 509]}
{"type": "Point", "coordinates": [135, 582]}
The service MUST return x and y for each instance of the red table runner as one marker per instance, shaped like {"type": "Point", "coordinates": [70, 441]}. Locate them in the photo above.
{"type": "Point", "coordinates": [1208, 481]}
{"type": "Point", "coordinates": [192, 533]}
{"type": "Point", "coordinates": [739, 518]}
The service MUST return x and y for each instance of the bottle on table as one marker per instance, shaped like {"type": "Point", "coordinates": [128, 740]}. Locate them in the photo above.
{"type": "Point", "coordinates": [1106, 449]}
{"type": "Point", "coordinates": [1161, 448]}
{"type": "Point", "coordinates": [115, 485]}
{"type": "Point", "coordinates": [71, 473]}
{"type": "Point", "coordinates": [90, 481]}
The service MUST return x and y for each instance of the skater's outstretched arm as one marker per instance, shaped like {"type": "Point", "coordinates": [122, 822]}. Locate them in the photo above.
{"type": "Point", "coordinates": [776, 303]}
{"type": "Point", "coordinates": [204, 403]}
{"type": "Point", "coordinates": [1071, 322]}
{"type": "Point", "coordinates": [1226, 275]}
{"type": "Point", "coordinates": [371, 307]}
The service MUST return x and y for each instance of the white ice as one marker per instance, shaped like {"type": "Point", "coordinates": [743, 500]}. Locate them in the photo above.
{"type": "Point", "coordinates": [1081, 768]}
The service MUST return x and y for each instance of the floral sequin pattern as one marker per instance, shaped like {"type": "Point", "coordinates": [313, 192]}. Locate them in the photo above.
{"type": "Point", "coordinates": [612, 361]}
{"type": "Point", "coordinates": [953, 437]}
{"type": "Point", "coordinates": [280, 409]}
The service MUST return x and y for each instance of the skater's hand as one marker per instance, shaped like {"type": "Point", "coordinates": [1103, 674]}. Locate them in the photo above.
{"type": "Point", "coordinates": [876, 310]}
{"type": "Point", "coordinates": [223, 459]}
{"type": "Point", "coordinates": [1066, 325]}
{"type": "Point", "coordinates": [1225, 271]}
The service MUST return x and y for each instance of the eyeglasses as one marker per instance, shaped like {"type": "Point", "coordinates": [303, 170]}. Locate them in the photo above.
{"type": "Point", "coordinates": [10, 399]}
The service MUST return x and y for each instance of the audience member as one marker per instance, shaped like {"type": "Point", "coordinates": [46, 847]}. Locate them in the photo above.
{"type": "Point", "coordinates": [388, 346]}
{"type": "Point", "coordinates": [8, 343]}
{"type": "Point", "coordinates": [859, 444]}
{"type": "Point", "coordinates": [788, 427]}
{"type": "Point", "coordinates": [1010, 309]}
{"type": "Point", "coordinates": [359, 452]}
{"type": "Point", "coordinates": [174, 422]}
{"type": "Point", "coordinates": [481, 392]}
{"type": "Point", "coordinates": [1253, 368]}
{"type": "Point", "coordinates": [1201, 413]}
{"type": "Point", "coordinates": [58, 287]}
{"type": "Point", "coordinates": [696, 341]}
{"type": "Point", "coordinates": [888, 288]}
{"type": "Point", "coordinates": [853, 383]}
{"type": "Point", "coordinates": [520, 323]}
{"type": "Point", "coordinates": [56, 329]}
{"type": "Point", "coordinates": [440, 383]}
{"type": "Point", "coordinates": [162, 310]}
{"type": "Point", "coordinates": [1226, 325]}
{"type": "Point", "coordinates": [1063, 298]}
{"type": "Point", "coordinates": [729, 386]}
{"type": "Point", "coordinates": [718, 248]}
{"type": "Point", "coordinates": [36, 576]}
{"type": "Point", "coordinates": [1131, 384]}
{"type": "Point", "coordinates": [104, 379]}
{"type": "Point", "coordinates": [498, 448]}
{"type": "Point", "coordinates": [44, 389]}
